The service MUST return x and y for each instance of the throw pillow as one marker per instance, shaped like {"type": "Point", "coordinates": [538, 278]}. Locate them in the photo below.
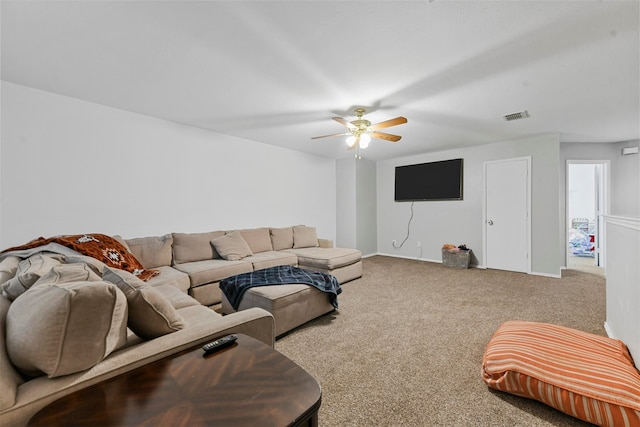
{"type": "Point", "coordinates": [60, 329]}
{"type": "Point", "coordinates": [587, 376]}
{"type": "Point", "coordinates": [28, 272]}
{"type": "Point", "coordinates": [188, 247]}
{"type": "Point", "coordinates": [65, 273]}
{"type": "Point", "coordinates": [231, 246]}
{"type": "Point", "coordinates": [152, 252]}
{"type": "Point", "coordinates": [304, 237]}
{"type": "Point", "coordinates": [282, 238]}
{"type": "Point", "coordinates": [151, 315]}
{"type": "Point", "coordinates": [257, 239]}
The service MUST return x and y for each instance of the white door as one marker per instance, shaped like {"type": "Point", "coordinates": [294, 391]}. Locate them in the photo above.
{"type": "Point", "coordinates": [507, 215]}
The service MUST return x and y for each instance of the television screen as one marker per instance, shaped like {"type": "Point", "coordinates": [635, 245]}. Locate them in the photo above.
{"type": "Point", "coordinates": [429, 181]}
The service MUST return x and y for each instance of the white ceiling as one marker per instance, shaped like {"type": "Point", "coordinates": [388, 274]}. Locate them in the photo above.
{"type": "Point", "coordinates": [277, 71]}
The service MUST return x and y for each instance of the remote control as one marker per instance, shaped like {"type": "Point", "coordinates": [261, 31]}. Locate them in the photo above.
{"type": "Point", "coordinates": [219, 343]}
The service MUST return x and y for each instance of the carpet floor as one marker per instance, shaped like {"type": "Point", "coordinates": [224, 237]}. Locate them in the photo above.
{"type": "Point", "coordinates": [405, 347]}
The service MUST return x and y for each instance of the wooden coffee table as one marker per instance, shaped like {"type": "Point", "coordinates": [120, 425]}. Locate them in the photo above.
{"type": "Point", "coordinates": [247, 384]}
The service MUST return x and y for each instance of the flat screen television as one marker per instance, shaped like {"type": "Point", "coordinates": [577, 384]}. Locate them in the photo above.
{"type": "Point", "coordinates": [429, 181]}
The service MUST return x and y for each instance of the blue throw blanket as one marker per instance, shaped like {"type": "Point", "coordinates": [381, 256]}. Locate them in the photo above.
{"type": "Point", "coordinates": [234, 287]}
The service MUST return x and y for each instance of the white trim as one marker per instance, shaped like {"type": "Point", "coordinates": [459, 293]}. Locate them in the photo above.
{"type": "Point", "coordinates": [436, 261]}
{"type": "Point", "coordinates": [410, 257]}
{"type": "Point", "coordinates": [609, 331]}
{"type": "Point", "coordinates": [484, 206]}
{"type": "Point", "coordinates": [554, 276]}
{"type": "Point", "coordinates": [623, 221]}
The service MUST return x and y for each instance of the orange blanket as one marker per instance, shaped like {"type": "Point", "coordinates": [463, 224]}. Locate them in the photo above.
{"type": "Point", "coordinates": [99, 246]}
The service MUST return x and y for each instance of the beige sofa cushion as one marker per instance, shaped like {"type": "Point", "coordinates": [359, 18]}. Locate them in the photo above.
{"type": "Point", "coordinates": [231, 246]}
{"type": "Point", "coordinates": [281, 238]}
{"type": "Point", "coordinates": [66, 273]}
{"type": "Point", "coordinates": [326, 258]}
{"type": "Point", "coordinates": [152, 252]}
{"type": "Point", "coordinates": [151, 315]}
{"type": "Point", "coordinates": [271, 259]}
{"type": "Point", "coordinates": [176, 297]}
{"type": "Point", "coordinates": [171, 276]}
{"type": "Point", "coordinates": [213, 270]}
{"type": "Point", "coordinates": [64, 328]}
{"type": "Point", "coordinates": [304, 237]}
{"type": "Point", "coordinates": [189, 247]}
{"type": "Point", "coordinates": [258, 239]}
{"type": "Point", "coordinates": [28, 272]}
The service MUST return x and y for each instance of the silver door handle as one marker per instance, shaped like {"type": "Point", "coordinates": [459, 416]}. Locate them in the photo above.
{"type": "Point", "coordinates": [490, 222]}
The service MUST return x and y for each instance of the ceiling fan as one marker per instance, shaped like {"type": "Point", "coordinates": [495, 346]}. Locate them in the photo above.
{"type": "Point", "coordinates": [360, 131]}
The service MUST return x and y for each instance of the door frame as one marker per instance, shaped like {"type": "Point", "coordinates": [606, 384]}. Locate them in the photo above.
{"type": "Point", "coordinates": [484, 207]}
{"type": "Point", "coordinates": [606, 203]}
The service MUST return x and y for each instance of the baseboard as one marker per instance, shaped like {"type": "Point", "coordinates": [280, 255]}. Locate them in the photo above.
{"type": "Point", "coordinates": [409, 257]}
{"type": "Point", "coordinates": [438, 261]}
{"type": "Point", "coordinates": [554, 276]}
{"type": "Point", "coordinates": [608, 330]}
{"type": "Point", "coordinates": [479, 266]}
{"type": "Point", "coordinates": [369, 255]}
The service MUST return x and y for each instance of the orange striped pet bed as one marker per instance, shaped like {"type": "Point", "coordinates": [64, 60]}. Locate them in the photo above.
{"type": "Point", "coordinates": [587, 376]}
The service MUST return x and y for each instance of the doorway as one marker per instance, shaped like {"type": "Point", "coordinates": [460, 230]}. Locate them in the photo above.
{"type": "Point", "coordinates": [586, 203]}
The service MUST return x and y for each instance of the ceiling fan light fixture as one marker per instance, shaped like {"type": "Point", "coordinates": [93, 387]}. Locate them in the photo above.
{"type": "Point", "coordinates": [360, 131]}
{"type": "Point", "coordinates": [365, 139]}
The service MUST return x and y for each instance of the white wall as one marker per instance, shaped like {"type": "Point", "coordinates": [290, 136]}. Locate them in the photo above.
{"type": "Point", "coordinates": [356, 205]}
{"type": "Point", "coordinates": [624, 192]}
{"type": "Point", "coordinates": [346, 220]}
{"type": "Point", "coordinates": [626, 177]}
{"type": "Point", "coordinates": [70, 166]}
{"type": "Point", "coordinates": [582, 194]}
{"type": "Point", "coordinates": [366, 206]}
{"type": "Point", "coordinates": [457, 222]}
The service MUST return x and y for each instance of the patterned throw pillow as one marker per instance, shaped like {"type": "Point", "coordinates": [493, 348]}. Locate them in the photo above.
{"type": "Point", "coordinates": [584, 375]}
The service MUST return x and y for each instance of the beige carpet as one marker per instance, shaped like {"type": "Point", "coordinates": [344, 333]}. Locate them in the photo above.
{"type": "Point", "coordinates": [406, 346]}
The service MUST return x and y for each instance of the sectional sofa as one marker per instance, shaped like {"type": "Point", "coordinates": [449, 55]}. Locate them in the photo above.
{"type": "Point", "coordinates": [68, 321]}
{"type": "Point", "coordinates": [197, 262]}
{"type": "Point", "coordinates": [191, 262]}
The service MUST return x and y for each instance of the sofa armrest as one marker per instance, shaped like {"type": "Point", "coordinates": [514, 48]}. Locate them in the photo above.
{"type": "Point", "coordinates": [255, 322]}
{"type": "Point", "coordinates": [325, 243]}
{"type": "Point", "coordinates": [39, 392]}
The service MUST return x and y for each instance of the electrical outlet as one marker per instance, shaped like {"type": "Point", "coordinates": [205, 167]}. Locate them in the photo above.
{"type": "Point", "coordinates": [419, 244]}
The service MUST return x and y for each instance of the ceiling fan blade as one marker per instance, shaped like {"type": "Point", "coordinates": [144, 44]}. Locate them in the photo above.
{"type": "Point", "coordinates": [344, 122]}
{"type": "Point", "coordinates": [386, 136]}
{"type": "Point", "coordinates": [388, 123]}
{"type": "Point", "coordinates": [333, 134]}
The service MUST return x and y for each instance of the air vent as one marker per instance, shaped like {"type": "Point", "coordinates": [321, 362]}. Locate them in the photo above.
{"type": "Point", "coordinates": [516, 116]}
